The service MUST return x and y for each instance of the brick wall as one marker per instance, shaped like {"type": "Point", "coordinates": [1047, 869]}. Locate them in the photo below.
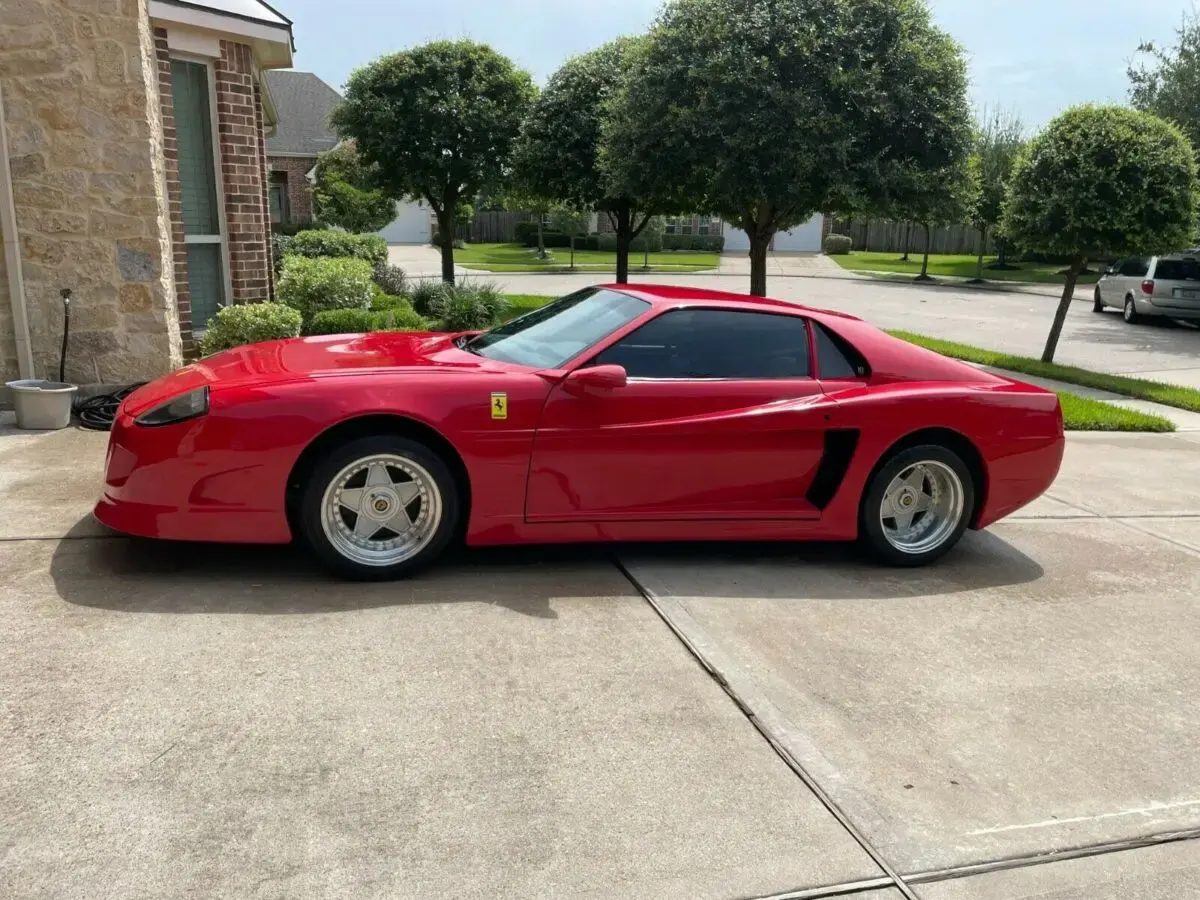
{"type": "Point", "coordinates": [298, 189]}
{"type": "Point", "coordinates": [243, 164]}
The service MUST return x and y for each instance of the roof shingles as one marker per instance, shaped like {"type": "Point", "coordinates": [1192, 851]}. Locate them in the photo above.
{"type": "Point", "coordinates": [303, 103]}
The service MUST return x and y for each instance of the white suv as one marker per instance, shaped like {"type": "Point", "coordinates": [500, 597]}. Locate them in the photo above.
{"type": "Point", "coordinates": [1152, 286]}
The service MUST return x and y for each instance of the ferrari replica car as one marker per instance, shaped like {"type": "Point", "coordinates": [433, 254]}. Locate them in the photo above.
{"type": "Point", "coordinates": [616, 413]}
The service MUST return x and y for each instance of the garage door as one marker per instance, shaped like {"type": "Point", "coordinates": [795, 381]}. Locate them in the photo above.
{"type": "Point", "coordinates": [803, 238]}
{"type": "Point", "coordinates": [411, 225]}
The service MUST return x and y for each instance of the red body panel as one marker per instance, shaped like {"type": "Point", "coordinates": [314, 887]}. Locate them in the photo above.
{"type": "Point", "coordinates": [654, 460]}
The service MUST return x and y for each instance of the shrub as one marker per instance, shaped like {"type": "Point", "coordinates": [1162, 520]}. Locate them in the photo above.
{"type": "Point", "coordinates": [526, 233]}
{"type": "Point", "coordinates": [280, 247]}
{"type": "Point", "coordinates": [384, 301]}
{"type": "Point", "coordinates": [290, 228]}
{"type": "Point", "coordinates": [315, 285]}
{"type": "Point", "coordinates": [640, 244]}
{"type": "Point", "coordinates": [466, 311]}
{"type": "Point", "coordinates": [436, 240]}
{"type": "Point", "coordinates": [327, 242]}
{"type": "Point", "coordinates": [838, 244]}
{"type": "Point", "coordinates": [358, 321]}
{"type": "Point", "coordinates": [489, 295]}
{"type": "Point", "coordinates": [391, 278]}
{"type": "Point", "coordinates": [249, 323]}
{"type": "Point", "coordinates": [429, 298]}
{"type": "Point", "coordinates": [700, 243]}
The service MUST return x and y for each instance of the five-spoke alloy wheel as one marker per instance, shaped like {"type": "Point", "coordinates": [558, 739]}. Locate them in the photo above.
{"type": "Point", "coordinates": [917, 506]}
{"type": "Point", "coordinates": [379, 507]}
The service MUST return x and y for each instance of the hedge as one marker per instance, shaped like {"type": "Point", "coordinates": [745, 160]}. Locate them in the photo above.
{"type": "Point", "coordinates": [327, 242]}
{"type": "Point", "coordinates": [315, 285]}
{"type": "Point", "coordinates": [249, 323]}
{"type": "Point", "coordinates": [360, 321]}
{"type": "Point", "coordinates": [838, 244]}
{"type": "Point", "coordinates": [700, 243]}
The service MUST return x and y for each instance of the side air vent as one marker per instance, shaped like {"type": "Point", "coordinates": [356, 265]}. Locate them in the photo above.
{"type": "Point", "coordinates": [835, 462]}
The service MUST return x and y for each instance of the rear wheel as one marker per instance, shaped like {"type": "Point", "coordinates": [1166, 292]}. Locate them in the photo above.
{"type": "Point", "coordinates": [379, 507]}
{"type": "Point", "coordinates": [1097, 302]}
{"type": "Point", "coordinates": [917, 506]}
{"type": "Point", "coordinates": [1130, 313]}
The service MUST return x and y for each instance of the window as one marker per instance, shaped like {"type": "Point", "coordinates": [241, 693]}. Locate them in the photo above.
{"type": "Point", "coordinates": [714, 343]}
{"type": "Point", "coordinates": [202, 220]}
{"type": "Point", "coordinates": [548, 337]}
{"type": "Point", "coordinates": [280, 208]}
{"type": "Point", "coordinates": [1178, 270]}
{"type": "Point", "coordinates": [835, 357]}
{"type": "Point", "coordinates": [1135, 268]}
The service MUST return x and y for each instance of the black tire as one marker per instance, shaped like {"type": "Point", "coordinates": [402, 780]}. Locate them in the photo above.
{"type": "Point", "coordinates": [871, 529]}
{"type": "Point", "coordinates": [1130, 313]}
{"type": "Point", "coordinates": [326, 470]}
{"type": "Point", "coordinates": [1097, 303]}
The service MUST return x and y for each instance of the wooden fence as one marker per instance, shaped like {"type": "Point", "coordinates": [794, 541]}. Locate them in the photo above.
{"type": "Point", "coordinates": [889, 237]}
{"type": "Point", "coordinates": [497, 227]}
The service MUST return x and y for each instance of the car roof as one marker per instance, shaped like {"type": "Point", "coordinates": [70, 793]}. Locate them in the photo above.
{"type": "Point", "coordinates": [676, 296]}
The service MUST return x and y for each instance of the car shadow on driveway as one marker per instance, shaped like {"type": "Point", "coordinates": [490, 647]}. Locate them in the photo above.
{"type": "Point", "coordinates": [142, 576]}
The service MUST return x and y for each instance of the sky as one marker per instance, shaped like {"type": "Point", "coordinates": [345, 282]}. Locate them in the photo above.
{"type": "Point", "coordinates": [1035, 57]}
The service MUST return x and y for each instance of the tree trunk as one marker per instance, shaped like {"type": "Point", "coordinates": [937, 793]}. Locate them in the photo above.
{"type": "Point", "coordinates": [541, 241]}
{"type": "Point", "coordinates": [1064, 304]}
{"type": "Point", "coordinates": [446, 231]}
{"type": "Point", "coordinates": [624, 235]}
{"type": "Point", "coordinates": [1002, 260]}
{"type": "Point", "coordinates": [572, 251]}
{"type": "Point", "coordinates": [979, 261]}
{"type": "Point", "coordinates": [759, 244]}
{"type": "Point", "coordinates": [907, 241]}
{"type": "Point", "coordinates": [924, 276]}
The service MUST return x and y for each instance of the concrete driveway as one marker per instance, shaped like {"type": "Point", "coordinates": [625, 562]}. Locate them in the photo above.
{"type": "Point", "coordinates": [227, 722]}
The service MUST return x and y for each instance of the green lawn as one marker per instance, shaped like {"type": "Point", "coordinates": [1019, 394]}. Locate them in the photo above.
{"type": "Point", "coordinates": [957, 266]}
{"type": "Point", "coordinates": [519, 304]}
{"type": "Point", "coordinates": [1084, 414]}
{"type": "Point", "coordinates": [1138, 388]}
{"type": "Point", "coordinates": [517, 258]}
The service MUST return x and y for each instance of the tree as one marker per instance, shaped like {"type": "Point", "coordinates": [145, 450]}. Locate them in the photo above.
{"type": "Point", "coordinates": [768, 111]}
{"type": "Point", "coordinates": [1166, 81]}
{"type": "Point", "coordinates": [944, 196]}
{"type": "Point", "coordinates": [344, 193]}
{"type": "Point", "coordinates": [571, 222]}
{"type": "Point", "coordinates": [1102, 181]}
{"type": "Point", "coordinates": [1000, 137]}
{"type": "Point", "coordinates": [437, 122]}
{"type": "Point", "coordinates": [558, 152]}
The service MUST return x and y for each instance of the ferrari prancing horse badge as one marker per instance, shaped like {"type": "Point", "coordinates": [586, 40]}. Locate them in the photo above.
{"type": "Point", "coordinates": [499, 405]}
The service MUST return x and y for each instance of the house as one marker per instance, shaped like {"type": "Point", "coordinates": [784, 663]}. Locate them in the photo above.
{"type": "Point", "coordinates": [133, 172]}
{"type": "Point", "coordinates": [304, 103]}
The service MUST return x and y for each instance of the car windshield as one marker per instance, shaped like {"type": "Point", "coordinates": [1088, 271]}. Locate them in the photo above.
{"type": "Point", "coordinates": [548, 337]}
{"type": "Point", "coordinates": [1178, 270]}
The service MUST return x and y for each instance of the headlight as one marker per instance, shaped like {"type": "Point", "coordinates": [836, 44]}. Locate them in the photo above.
{"type": "Point", "coordinates": [185, 406]}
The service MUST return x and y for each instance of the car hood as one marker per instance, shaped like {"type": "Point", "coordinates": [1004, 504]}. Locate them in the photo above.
{"type": "Point", "coordinates": [298, 359]}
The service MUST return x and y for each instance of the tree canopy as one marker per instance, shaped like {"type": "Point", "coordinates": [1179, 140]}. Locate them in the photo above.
{"type": "Point", "coordinates": [557, 155]}
{"type": "Point", "coordinates": [344, 192]}
{"type": "Point", "coordinates": [1166, 80]}
{"type": "Point", "coordinates": [768, 111]}
{"type": "Point", "coordinates": [437, 122]}
{"type": "Point", "coordinates": [999, 138]}
{"type": "Point", "coordinates": [1102, 181]}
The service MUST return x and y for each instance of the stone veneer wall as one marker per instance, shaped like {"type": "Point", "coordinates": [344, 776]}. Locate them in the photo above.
{"type": "Point", "coordinates": [85, 141]}
{"type": "Point", "coordinates": [298, 189]}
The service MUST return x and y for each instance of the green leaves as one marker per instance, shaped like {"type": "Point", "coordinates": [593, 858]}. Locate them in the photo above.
{"type": "Point", "coordinates": [1104, 181]}
{"type": "Point", "coordinates": [344, 192]}
{"type": "Point", "coordinates": [1166, 81]}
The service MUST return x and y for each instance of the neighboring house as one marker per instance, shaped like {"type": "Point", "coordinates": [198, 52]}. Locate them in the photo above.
{"type": "Point", "coordinates": [804, 238]}
{"type": "Point", "coordinates": [133, 173]}
{"type": "Point", "coordinates": [304, 103]}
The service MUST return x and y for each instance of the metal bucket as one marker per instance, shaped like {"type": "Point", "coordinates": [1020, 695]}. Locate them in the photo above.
{"type": "Point", "coordinates": [42, 405]}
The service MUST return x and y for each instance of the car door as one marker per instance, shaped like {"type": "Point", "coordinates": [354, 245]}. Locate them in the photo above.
{"type": "Point", "coordinates": [1110, 285]}
{"type": "Point", "coordinates": [719, 419]}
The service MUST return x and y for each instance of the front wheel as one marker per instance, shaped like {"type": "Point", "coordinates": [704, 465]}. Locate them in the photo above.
{"type": "Point", "coordinates": [379, 507]}
{"type": "Point", "coordinates": [917, 506]}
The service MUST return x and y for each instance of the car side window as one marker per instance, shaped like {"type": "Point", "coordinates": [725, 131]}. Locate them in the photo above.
{"type": "Point", "coordinates": [1135, 268]}
{"type": "Point", "coordinates": [835, 357]}
{"type": "Point", "coordinates": [714, 343]}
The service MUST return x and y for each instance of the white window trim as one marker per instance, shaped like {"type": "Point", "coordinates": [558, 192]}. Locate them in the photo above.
{"type": "Point", "coordinates": [222, 237]}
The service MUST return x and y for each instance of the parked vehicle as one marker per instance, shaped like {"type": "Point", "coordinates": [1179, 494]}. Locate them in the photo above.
{"type": "Point", "coordinates": [1166, 286]}
{"type": "Point", "coordinates": [616, 413]}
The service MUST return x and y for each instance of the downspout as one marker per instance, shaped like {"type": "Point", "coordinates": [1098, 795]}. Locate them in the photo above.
{"type": "Point", "coordinates": [12, 256]}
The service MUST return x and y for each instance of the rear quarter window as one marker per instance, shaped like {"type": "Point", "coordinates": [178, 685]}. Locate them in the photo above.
{"type": "Point", "coordinates": [836, 358]}
{"type": "Point", "coordinates": [1178, 270]}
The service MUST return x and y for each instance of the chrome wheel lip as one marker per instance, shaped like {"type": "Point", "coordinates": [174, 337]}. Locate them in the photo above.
{"type": "Point", "coordinates": [393, 551]}
{"type": "Point", "coordinates": [944, 500]}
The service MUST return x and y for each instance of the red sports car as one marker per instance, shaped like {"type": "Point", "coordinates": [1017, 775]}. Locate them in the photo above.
{"type": "Point", "coordinates": [616, 413]}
